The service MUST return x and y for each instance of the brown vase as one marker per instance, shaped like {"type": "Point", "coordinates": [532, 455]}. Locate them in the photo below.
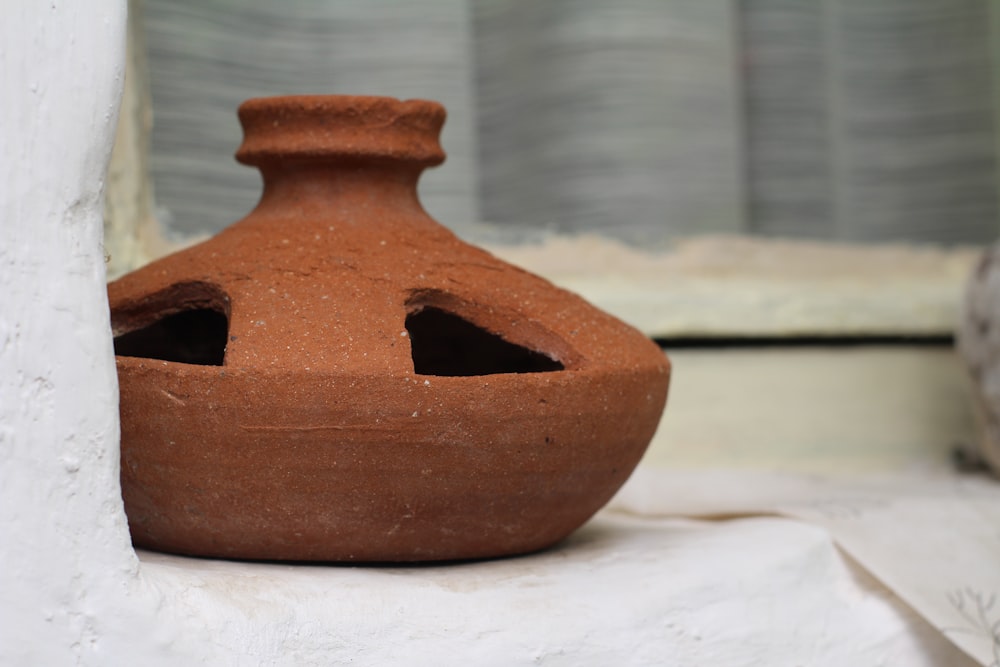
{"type": "Point", "coordinates": [338, 377]}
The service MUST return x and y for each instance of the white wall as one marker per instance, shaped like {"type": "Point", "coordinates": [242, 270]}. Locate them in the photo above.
{"type": "Point", "coordinates": [67, 565]}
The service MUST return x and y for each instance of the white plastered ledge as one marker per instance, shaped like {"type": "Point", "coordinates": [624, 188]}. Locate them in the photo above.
{"type": "Point", "coordinates": [621, 591]}
{"type": "Point", "coordinates": [733, 286]}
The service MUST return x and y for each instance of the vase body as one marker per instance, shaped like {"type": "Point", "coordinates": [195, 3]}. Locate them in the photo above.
{"type": "Point", "coordinates": [337, 377]}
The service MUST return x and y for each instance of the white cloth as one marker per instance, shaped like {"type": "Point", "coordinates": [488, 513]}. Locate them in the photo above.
{"type": "Point", "coordinates": [930, 538]}
{"type": "Point", "coordinates": [624, 590]}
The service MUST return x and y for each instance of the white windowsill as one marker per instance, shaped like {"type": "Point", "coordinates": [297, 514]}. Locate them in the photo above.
{"type": "Point", "coordinates": [742, 286]}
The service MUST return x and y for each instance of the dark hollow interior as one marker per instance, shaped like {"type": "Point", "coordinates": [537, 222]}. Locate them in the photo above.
{"type": "Point", "coordinates": [195, 336]}
{"type": "Point", "coordinates": [445, 344]}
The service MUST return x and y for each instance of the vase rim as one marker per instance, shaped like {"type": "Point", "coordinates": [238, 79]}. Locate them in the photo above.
{"type": "Point", "coordinates": [297, 127]}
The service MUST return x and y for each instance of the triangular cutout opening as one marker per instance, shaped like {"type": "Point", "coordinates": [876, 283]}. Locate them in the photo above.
{"type": "Point", "coordinates": [443, 343]}
{"type": "Point", "coordinates": [196, 336]}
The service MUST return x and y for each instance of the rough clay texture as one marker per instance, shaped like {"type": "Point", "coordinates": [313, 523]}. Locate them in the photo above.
{"type": "Point", "coordinates": [316, 438]}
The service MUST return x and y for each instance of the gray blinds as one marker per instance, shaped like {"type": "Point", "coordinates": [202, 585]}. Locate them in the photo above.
{"type": "Point", "coordinates": [642, 120]}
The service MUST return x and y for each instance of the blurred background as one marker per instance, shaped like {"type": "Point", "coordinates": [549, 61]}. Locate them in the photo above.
{"type": "Point", "coordinates": [640, 120]}
{"type": "Point", "coordinates": [788, 195]}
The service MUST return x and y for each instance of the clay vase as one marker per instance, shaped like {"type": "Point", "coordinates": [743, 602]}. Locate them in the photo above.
{"type": "Point", "coordinates": [337, 377]}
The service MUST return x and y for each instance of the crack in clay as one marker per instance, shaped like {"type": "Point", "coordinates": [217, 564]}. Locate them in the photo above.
{"type": "Point", "coordinates": [173, 397]}
{"type": "Point", "coordinates": [267, 428]}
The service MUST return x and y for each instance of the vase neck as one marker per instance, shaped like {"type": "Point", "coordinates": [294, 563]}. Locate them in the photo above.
{"type": "Point", "coordinates": [318, 191]}
{"type": "Point", "coordinates": [326, 155]}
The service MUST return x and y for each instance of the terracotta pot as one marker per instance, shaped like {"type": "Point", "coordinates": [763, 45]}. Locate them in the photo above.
{"type": "Point", "coordinates": [338, 377]}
